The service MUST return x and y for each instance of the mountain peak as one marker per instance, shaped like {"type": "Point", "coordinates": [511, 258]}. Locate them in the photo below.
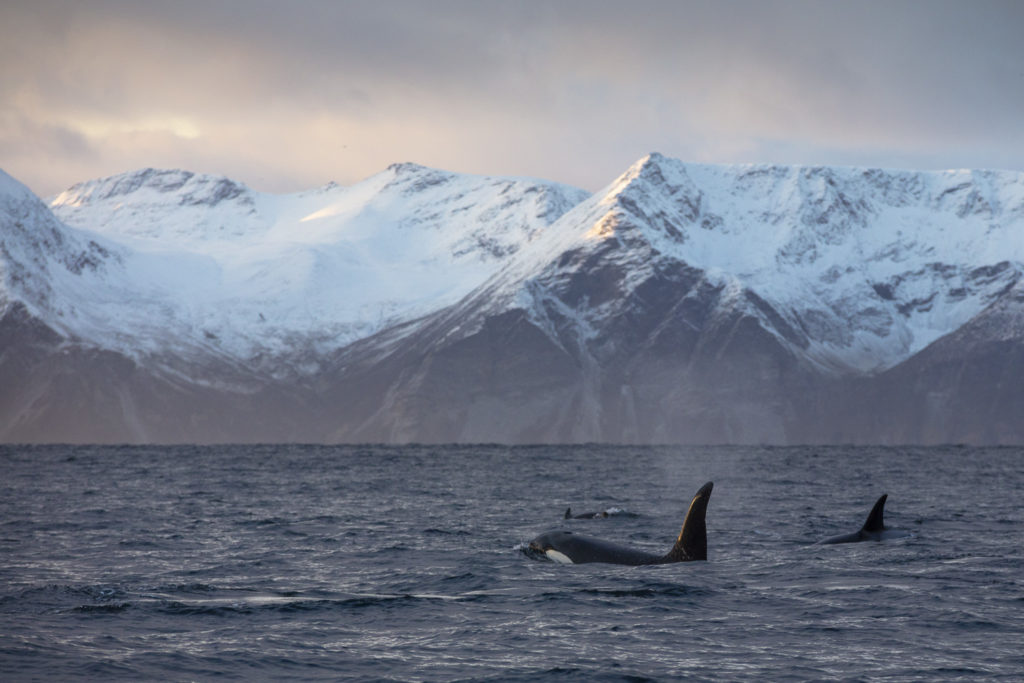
{"type": "Point", "coordinates": [658, 170]}
{"type": "Point", "coordinates": [658, 192]}
{"type": "Point", "coordinates": [656, 158]}
{"type": "Point", "coordinates": [415, 177]}
{"type": "Point", "coordinates": [11, 188]}
{"type": "Point", "coordinates": [186, 187]}
{"type": "Point", "coordinates": [409, 168]}
{"type": "Point", "coordinates": [650, 167]}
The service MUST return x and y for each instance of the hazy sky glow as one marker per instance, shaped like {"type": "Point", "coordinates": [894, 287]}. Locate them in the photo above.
{"type": "Point", "coordinates": [287, 96]}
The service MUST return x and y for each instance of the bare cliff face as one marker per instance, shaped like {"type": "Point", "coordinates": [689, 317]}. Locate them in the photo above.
{"type": "Point", "coordinates": [681, 304]}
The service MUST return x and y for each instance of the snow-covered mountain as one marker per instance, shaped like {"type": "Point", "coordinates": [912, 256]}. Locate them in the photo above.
{"type": "Point", "coordinates": [218, 267]}
{"type": "Point", "coordinates": [863, 268]}
{"type": "Point", "coordinates": [683, 302]}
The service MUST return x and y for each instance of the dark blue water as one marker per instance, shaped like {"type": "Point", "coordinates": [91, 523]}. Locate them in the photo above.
{"type": "Point", "coordinates": [406, 563]}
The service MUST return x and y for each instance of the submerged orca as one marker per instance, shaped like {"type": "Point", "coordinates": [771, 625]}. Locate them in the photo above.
{"type": "Point", "coordinates": [873, 530]}
{"type": "Point", "coordinates": [584, 515]}
{"type": "Point", "coordinates": [692, 543]}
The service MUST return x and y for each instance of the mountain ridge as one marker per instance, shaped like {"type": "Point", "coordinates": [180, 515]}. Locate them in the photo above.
{"type": "Point", "coordinates": [683, 302]}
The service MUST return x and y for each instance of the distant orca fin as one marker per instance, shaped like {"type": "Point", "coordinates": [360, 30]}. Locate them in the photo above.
{"type": "Point", "coordinates": [568, 513]}
{"type": "Point", "coordinates": [875, 522]}
{"type": "Point", "coordinates": [692, 543]}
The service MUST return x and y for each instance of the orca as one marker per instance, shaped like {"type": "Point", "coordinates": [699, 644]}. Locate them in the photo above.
{"type": "Point", "coordinates": [584, 515]}
{"type": "Point", "coordinates": [874, 528]}
{"type": "Point", "coordinates": [692, 543]}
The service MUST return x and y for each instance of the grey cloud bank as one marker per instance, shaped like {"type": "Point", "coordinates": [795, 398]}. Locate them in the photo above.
{"type": "Point", "coordinates": [285, 97]}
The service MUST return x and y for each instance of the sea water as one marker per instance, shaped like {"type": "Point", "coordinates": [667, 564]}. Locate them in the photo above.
{"type": "Point", "coordinates": [409, 563]}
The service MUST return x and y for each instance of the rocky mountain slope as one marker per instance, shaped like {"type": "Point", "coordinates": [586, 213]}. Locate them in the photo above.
{"type": "Point", "coordinates": [682, 303]}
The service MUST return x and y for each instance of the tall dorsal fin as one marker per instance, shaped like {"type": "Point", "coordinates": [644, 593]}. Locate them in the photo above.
{"type": "Point", "coordinates": [568, 513]}
{"type": "Point", "coordinates": [692, 543]}
{"type": "Point", "coordinates": [875, 522]}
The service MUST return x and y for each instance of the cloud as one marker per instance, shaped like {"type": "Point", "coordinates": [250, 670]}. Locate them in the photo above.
{"type": "Point", "coordinates": [288, 96]}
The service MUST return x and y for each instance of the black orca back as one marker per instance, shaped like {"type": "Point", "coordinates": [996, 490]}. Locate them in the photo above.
{"type": "Point", "coordinates": [692, 543]}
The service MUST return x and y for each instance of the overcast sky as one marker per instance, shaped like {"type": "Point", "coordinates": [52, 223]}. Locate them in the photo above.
{"type": "Point", "coordinates": [289, 95]}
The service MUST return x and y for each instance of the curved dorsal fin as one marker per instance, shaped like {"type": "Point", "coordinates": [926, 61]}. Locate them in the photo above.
{"type": "Point", "coordinates": [692, 543]}
{"type": "Point", "coordinates": [568, 513]}
{"type": "Point", "coordinates": [875, 522]}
